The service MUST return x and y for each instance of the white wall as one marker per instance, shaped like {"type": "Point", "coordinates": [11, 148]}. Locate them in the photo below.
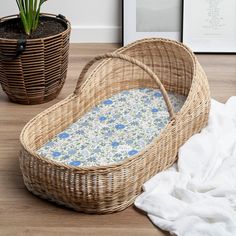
{"type": "Point", "coordinates": [92, 20]}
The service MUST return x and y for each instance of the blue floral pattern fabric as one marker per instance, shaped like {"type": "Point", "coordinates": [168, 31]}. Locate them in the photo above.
{"type": "Point", "coordinates": [116, 129]}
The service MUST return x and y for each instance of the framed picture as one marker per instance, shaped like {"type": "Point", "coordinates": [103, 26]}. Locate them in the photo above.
{"type": "Point", "coordinates": [151, 18]}
{"type": "Point", "coordinates": [209, 26]}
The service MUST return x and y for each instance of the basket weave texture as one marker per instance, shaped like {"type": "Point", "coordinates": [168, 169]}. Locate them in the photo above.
{"type": "Point", "coordinates": [152, 63]}
{"type": "Point", "coordinates": [38, 75]}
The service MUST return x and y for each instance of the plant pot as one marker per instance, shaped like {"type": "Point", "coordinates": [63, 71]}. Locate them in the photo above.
{"type": "Point", "coordinates": [38, 74]}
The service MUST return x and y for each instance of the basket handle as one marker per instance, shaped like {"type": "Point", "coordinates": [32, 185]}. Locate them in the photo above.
{"type": "Point", "coordinates": [133, 61]}
{"type": "Point", "coordinates": [20, 48]}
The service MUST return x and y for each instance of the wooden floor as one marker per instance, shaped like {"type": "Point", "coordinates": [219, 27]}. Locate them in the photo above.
{"type": "Point", "coordinates": [21, 213]}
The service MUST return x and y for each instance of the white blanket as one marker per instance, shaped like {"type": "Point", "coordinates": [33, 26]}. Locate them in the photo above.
{"type": "Point", "coordinates": [197, 196]}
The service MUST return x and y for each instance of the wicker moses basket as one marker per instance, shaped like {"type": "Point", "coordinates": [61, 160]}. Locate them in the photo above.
{"type": "Point", "coordinates": [150, 63]}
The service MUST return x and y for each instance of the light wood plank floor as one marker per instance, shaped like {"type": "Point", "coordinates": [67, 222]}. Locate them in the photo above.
{"type": "Point", "coordinates": [23, 214]}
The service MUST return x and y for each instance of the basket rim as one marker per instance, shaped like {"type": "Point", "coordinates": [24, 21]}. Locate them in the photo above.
{"type": "Point", "coordinates": [72, 96]}
{"type": "Point", "coordinates": [15, 16]}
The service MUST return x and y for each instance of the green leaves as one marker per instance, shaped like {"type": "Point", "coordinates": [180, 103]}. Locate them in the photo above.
{"type": "Point", "coordinates": [29, 13]}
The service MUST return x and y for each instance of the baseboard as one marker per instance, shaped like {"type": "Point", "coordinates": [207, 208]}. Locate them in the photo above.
{"type": "Point", "coordinates": [96, 34]}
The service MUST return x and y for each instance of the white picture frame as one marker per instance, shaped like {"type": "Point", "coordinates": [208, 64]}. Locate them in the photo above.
{"type": "Point", "coordinates": [151, 18]}
{"type": "Point", "coordinates": [210, 26]}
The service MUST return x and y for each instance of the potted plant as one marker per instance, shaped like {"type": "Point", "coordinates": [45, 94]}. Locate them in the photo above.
{"type": "Point", "coordinates": [33, 53]}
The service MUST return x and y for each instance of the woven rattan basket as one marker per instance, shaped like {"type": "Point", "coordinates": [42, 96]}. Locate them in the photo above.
{"type": "Point", "coordinates": [152, 63]}
{"type": "Point", "coordinates": [36, 76]}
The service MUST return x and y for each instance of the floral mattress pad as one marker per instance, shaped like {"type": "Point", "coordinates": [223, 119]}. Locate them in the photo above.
{"type": "Point", "coordinates": [116, 129]}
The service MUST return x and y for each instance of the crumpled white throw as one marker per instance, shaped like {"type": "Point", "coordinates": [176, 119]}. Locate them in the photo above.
{"type": "Point", "coordinates": [197, 196]}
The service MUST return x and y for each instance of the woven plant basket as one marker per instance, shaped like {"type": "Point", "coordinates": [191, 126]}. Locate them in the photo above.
{"type": "Point", "coordinates": [151, 63]}
{"type": "Point", "coordinates": [38, 74]}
